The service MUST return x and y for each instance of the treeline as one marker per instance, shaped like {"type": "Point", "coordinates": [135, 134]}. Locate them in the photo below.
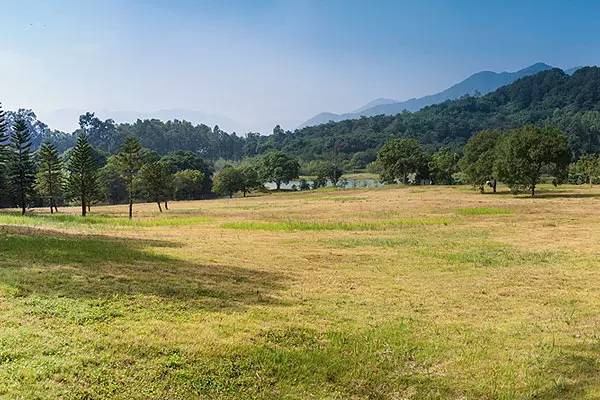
{"type": "Point", "coordinates": [520, 158]}
{"type": "Point", "coordinates": [86, 175]}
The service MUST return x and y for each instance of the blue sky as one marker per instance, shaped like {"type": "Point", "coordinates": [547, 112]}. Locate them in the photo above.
{"type": "Point", "coordinates": [265, 62]}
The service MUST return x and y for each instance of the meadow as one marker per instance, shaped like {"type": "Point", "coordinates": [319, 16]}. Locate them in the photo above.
{"type": "Point", "coordinates": [388, 293]}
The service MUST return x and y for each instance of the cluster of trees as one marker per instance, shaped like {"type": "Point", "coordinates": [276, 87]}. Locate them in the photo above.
{"type": "Point", "coordinates": [518, 157]}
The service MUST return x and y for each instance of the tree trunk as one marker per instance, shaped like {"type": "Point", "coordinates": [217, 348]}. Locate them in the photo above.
{"type": "Point", "coordinates": [278, 183]}
{"type": "Point", "coordinates": [230, 195]}
{"type": "Point", "coordinates": [83, 206]}
{"type": "Point", "coordinates": [166, 205]}
{"type": "Point", "coordinates": [22, 201]}
{"type": "Point", "coordinates": [244, 193]}
{"type": "Point", "coordinates": [532, 190]}
{"type": "Point", "coordinates": [590, 181]}
{"type": "Point", "coordinates": [130, 209]}
{"type": "Point", "coordinates": [481, 189]}
{"type": "Point", "coordinates": [494, 184]}
{"type": "Point", "coordinates": [51, 206]}
{"type": "Point", "coordinates": [159, 207]}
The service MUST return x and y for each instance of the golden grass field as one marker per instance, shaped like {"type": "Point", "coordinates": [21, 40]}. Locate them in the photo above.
{"type": "Point", "coordinates": [392, 293]}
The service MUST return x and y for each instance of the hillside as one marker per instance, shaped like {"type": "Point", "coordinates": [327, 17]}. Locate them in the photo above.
{"type": "Point", "coordinates": [479, 83]}
{"type": "Point", "coordinates": [570, 102]}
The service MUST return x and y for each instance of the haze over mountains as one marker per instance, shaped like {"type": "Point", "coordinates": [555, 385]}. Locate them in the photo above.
{"type": "Point", "coordinates": [477, 84]}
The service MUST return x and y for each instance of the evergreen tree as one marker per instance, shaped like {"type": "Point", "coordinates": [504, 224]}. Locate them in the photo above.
{"type": "Point", "coordinates": [82, 181]}
{"type": "Point", "coordinates": [21, 169]}
{"type": "Point", "coordinates": [50, 174]}
{"type": "Point", "coordinates": [3, 150]}
{"type": "Point", "coordinates": [130, 161]}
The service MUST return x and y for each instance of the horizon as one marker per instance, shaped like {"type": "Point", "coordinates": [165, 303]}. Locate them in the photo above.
{"type": "Point", "coordinates": [254, 66]}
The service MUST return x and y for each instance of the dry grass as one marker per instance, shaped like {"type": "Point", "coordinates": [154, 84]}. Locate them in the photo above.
{"type": "Point", "coordinates": [399, 293]}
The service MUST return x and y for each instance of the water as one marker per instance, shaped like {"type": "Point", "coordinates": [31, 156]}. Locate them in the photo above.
{"type": "Point", "coordinates": [347, 184]}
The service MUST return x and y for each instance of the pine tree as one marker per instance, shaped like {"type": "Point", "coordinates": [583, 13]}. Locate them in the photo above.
{"type": "Point", "coordinates": [3, 150]}
{"type": "Point", "coordinates": [50, 174]}
{"type": "Point", "coordinates": [82, 180]}
{"type": "Point", "coordinates": [129, 159]}
{"type": "Point", "coordinates": [21, 169]}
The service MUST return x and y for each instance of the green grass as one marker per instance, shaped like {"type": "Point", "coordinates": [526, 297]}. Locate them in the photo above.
{"type": "Point", "coordinates": [483, 211]}
{"type": "Point", "coordinates": [292, 226]}
{"type": "Point", "coordinates": [99, 220]}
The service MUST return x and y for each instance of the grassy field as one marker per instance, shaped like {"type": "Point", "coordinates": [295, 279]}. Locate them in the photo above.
{"type": "Point", "coordinates": [391, 293]}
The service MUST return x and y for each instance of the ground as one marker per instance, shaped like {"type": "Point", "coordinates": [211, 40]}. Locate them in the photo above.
{"type": "Point", "coordinates": [391, 293]}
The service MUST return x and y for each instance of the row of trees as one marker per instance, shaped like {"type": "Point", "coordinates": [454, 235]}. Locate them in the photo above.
{"type": "Point", "coordinates": [519, 158]}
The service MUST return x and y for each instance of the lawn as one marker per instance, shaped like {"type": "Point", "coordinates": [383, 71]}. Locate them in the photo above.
{"type": "Point", "coordinates": [390, 293]}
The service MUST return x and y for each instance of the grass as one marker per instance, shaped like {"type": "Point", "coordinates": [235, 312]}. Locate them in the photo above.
{"type": "Point", "coordinates": [293, 226]}
{"type": "Point", "coordinates": [483, 211]}
{"type": "Point", "coordinates": [408, 294]}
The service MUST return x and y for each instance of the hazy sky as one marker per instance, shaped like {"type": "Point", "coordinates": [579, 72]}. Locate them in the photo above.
{"type": "Point", "coordinates": [266, 62]}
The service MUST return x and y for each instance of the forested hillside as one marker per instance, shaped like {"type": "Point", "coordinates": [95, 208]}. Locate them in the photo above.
{"type": "Point", "coordinates": [571, 103]}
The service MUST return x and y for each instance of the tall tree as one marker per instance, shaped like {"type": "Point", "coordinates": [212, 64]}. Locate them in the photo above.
{"type": "Point", "coordinates": [278, 167]}
{"type": "Point", "coordinates": [399, 158]}
{"type": "Point", "coordinates": [328, 170]}
{"type": "Point", "coordinates": [478, 159]}
{"type": "Point", "coordinates": [442, 165]}
{"type": "Point", "coordinates": [50, 176]}
{"type": "Point", "coordinates": [156, 182]}
{"type": "Point", "coordinates": [589, 166]}
{"type": "Point", "coordinates": [3, 147]}
{"type": "Point", "coordinates": [21, 169]}
{"type": "Point", "coordinates": [250, 179]}
{"type": "Point", "coordinates": [83, 170]}
{"type": "Point", "coordinates": [524, 154]}
{"type": "Point", "coordinates": [130, 161]}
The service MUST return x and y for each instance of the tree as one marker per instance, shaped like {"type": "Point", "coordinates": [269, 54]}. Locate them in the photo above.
{"type": "Point", "coordinates": [327, 170]}
{"type": "Point", "coordinates": [278, 167]}
{"type": "Point", "coordinates": [130, 161]}
{"type": "Point", "coordinates": [82, 168]}
{"type": "Point", "coordinates": [588, 166]}
{"type": "Point", "coordinates": [524, 154]}
{"type": "Point", "coordinates": [442, 165]}
{"type": "Point", "coordinates": [250, 179]}
{"type": "Point", "coordinates": [228, 181]}
{"type": "Point", "coordinates": [21, 169]}
{"type": "Point", "coordinates": [478, 159]}
{"type": "Point", "coordinates": [156, 182]}
{"type": "Point", "coordinates": [3, 147]}
{"type": "Point", "coordinates": [188, 184]}
{"type": "Point", "coordinates": [50, 176]}
{"type": "Point", "coordinates": [400, 157]}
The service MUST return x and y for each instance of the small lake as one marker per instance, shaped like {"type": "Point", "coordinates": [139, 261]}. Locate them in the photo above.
{"type": "Point", "coordinates": [346, 184]}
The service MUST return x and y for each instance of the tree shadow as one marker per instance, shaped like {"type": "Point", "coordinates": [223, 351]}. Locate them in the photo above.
{"type": "Point", "coordinates": [578, 370]}
{"type": "Point", "coordinates": [47, 263]}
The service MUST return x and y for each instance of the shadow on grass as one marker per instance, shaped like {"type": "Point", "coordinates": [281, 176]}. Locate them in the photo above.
{"type": "Point", "coordinates": [47, 263]}
{"type": "Point", "coordinates": [577, 370]}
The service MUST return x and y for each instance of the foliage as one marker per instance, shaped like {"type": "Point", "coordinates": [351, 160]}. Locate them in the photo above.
{"type": "Point", "coordinates": [523, 155]}
{"type": "Point", "coordinates": [188, 184]}
{"type": "Point", "coordinates": [478, 158]}
{"type": "Point", "coordinates": [328, 170]}
{"type": "Point", "coordinates": [21, 168]}
{"type": "Point", "coordinates": [228, 181]}
{"type": "Point", "coordinates": [443, 164]}
{"type": "Point", "coordinates": [83, 173]}
{"type": "Point", "coordinates": [278, 167]}
{"type": "Point", "coordinates": [50, 176]}
{"type": "Point", "coordinates": [156, 182]}
{"type": "Point", "coordinates": [400, 157]}
{"type": "Point", "coordinates": [589, 167]}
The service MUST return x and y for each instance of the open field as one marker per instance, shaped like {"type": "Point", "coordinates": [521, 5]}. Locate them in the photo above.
{"type": "Point", "coordinates": [391, 293]}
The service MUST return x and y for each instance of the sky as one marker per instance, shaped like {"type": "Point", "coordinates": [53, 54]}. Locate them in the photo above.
{"type": "Point", "coordinates": [252, 64]}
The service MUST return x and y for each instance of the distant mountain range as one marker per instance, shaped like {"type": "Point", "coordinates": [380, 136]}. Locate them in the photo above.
{"type": "Point", "coordinates": [479, 83]}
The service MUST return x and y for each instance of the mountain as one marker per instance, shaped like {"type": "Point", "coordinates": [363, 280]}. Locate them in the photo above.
{"type": "Point", "coordinates": [477, 84]}
{"type": "Point", "coordinates": [554, 98]}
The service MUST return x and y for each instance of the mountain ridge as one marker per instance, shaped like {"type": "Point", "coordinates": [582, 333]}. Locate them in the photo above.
{"type": "Point", "coordinates": [479, 83]}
